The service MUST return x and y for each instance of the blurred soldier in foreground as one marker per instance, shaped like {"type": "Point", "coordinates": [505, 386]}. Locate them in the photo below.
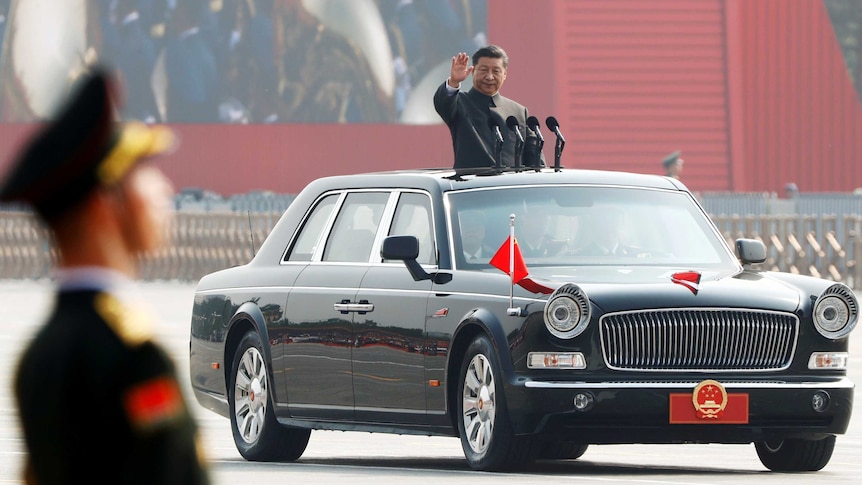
{"type": "Point", "coordinates": [98, 400]}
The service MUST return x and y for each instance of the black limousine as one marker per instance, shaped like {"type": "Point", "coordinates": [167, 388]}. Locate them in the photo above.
{"type": "Point", "coordinates": [400, 302]}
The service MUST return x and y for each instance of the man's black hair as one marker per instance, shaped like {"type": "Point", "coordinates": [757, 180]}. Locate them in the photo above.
{"type": "Point", "coordinates": [492, 51]}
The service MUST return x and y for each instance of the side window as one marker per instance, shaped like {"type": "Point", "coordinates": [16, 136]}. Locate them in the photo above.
{"type": "Point", "coordinates": [413, 218]}
{"type": "Point", "coordinates": [355, 226]}
{"type": "Point", "coordinates": [310, 234]}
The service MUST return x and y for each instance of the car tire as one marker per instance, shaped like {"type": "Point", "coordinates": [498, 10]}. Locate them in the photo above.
{"type": "Point", "coordinates": [562, 450]}
{"type": "Point", "coordinates": [256, 432]}
{"type": "Point", "coordinates": [487, 438]}
{"type": "Point", "coordinates": [795, 455]}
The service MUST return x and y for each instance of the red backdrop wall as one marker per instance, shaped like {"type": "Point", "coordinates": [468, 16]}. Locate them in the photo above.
{"type": "Point", "coordinates": [755, 94]}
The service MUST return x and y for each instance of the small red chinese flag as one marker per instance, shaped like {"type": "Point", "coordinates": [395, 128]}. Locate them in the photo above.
{"type": "Point", "coordinates": [500, 260]}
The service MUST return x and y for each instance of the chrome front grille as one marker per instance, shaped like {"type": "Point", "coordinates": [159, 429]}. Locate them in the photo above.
{"type": "Point", "coordinates": [698, 339]}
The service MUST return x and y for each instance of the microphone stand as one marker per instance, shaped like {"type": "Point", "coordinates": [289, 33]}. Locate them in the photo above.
{"type": "Point", "coordinates": [533, 125]}
{"type": "Point", "coordinates": [519, 150]}
{"type": "Point", "coordinates": [558, 150]}
{"type": "Point", "coordinates": [554, 126]}
{"type": "Point", "coordinates": [519, 141]}
{"type": "Point", "coordinates": [498, 144]}
{"type": "Point", "coordinates": [498, 152]}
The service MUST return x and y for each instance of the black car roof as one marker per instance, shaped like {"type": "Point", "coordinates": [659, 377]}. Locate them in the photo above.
{"type": "Point", "coordinates": [448, 179]}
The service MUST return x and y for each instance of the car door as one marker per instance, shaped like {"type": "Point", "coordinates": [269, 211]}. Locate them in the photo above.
{"type": "Point", "coordinates": [321, 306]}
{"type": "Point", "coordinates": [389, 356]}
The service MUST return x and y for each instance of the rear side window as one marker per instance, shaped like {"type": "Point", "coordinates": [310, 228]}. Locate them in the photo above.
{"type": "Point", "coordinates": [355, 227]}
{"type": "Point", "coordinates": [311, 233]}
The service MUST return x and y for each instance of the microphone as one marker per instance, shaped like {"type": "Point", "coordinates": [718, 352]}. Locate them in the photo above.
{"type": "Point", "coordinates": [512, 123]}
{"type": "Point", "coordinates": [494, 125]}
{"type": "Point", "coordinates": [554, 126]}
{"type": "Point", "coordinates": [533, 125]}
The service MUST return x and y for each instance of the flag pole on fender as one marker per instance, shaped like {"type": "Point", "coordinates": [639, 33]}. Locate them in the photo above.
{"type": "Point", "coordinates": [512, 266]}
{"type": "Point", "coordinates": [509, 260]}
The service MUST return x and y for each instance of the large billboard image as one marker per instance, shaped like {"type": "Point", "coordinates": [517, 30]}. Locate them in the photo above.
{"type": "Point", "coordinates": [272, 94]}
{"type": "Point", "coordinates": [243, 61]}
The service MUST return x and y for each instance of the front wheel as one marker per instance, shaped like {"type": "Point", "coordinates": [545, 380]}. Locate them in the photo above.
{"type": "Point", "coordinates": [483, 420]}
{"type": "Point", "coordinates": [256, 432]}
{"type": "Point", "coordinates": [795, 455]}
{"type": "Point", "coordinates": [562, 450]}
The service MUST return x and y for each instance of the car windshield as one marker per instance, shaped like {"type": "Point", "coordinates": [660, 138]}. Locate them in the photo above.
{"type": "Point", "coordinates": [585, 225]}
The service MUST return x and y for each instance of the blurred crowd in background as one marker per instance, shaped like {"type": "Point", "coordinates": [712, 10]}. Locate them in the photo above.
{"type": "Point", "coordinates": [268, 61]}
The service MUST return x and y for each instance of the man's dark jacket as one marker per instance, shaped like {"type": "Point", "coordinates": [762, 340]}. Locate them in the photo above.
{"type": "Point", "coordinates": [467, 116]}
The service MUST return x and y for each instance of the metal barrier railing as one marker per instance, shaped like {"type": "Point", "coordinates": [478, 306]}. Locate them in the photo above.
{"type": "Point", "coordinates": [200, 243]}
{"type": "Point", "coordinates": [808, 245]}
{"type": "Point", "coordinates": [205, 242]}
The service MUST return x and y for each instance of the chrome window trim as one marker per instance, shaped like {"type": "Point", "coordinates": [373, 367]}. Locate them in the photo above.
{"type": "Point", "coordinates": [318, 254]}
{"type": "Point", "coordinates": [385, 224]}
{"type": "Point", "coordinates": [432, 292]}
{"type": "Point", "coordinates": [396, 193]}
{"type": "Point", "coordinates": [326, 227]}
{"type": "Point", "coordinates": [382, 230]}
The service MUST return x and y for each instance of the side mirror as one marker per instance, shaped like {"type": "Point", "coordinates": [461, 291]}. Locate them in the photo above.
{"type": "Point", "coordinates": [401, 248]}
{"type": "Point", "coordinates": [750, 251]}
{"type": "Point", "coordinates": [406, 248]}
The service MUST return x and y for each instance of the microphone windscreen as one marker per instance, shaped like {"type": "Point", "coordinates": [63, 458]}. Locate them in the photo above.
{"type": "Point", "coordinates": [512, 122]}
{"type": "Point", "coordinates": [552, 124]}
{"type": "Point", "coordinates": [493, 122]}
{"type": "Point", "coordinates": [533, 123]}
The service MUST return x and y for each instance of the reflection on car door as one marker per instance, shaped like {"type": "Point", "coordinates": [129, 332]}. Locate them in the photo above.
{"type": "Point", "coordinates": [389, 356]}
{"type": "Point", "coordinates": [321, 309]}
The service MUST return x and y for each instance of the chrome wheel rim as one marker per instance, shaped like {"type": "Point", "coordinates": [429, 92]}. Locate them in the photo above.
{"type": "Point", "coordinates": [479, 404]}
{"type": "Point", "coordinates": [773, 446]}
{"type": "Point", "coordinates": [250, 395]}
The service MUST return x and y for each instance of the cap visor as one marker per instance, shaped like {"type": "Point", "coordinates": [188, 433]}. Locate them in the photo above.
{"type": "Point", "coordinates": [137, 141]}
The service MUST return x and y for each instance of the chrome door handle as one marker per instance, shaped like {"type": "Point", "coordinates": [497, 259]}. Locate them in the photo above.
{"type": "Point", "coordinates": [364, 307]}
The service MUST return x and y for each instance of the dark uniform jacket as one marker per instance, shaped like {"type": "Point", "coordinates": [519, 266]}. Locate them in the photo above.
{"type": "Point", "coordinates": [467, 115]}
{"type": "Point", "coordinates": [99, 401]}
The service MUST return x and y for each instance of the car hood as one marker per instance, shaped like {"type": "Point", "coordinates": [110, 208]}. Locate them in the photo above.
{"type": "Point", "coordinates": [622, 288]}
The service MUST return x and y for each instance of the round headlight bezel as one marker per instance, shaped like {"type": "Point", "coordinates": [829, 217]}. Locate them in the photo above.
{"type": "Point", "coordinates": [836, 312]}
{"type": "Point", "coordinates": [567, 312]}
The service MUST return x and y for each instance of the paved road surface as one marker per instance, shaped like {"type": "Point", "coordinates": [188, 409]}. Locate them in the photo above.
{"type": "Point", "coordinates": [363, 458]}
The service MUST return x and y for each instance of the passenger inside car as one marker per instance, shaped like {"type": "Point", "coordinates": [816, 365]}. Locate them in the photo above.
{"type": "Point", "coordinates": [473, 245]}
{"type": "Point", "coordinates": [534, 222]}
{"type": "Point", "coordinates": [602, 233]}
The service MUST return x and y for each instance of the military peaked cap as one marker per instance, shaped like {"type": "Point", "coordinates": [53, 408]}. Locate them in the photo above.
{"type": "Point", "coordinates": [80, 149]}
{"type": "Point", "coordinates": [672, 158]}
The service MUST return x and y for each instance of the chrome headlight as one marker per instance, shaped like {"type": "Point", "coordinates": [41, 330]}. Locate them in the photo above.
{"type": "Point", "coordinates": [567, 312]}
{"type": "Point", "coordinates": [836, 312]}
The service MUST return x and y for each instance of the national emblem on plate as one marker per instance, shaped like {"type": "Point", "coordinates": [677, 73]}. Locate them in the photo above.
{"type": "Point", "coordinates": [709, 399]}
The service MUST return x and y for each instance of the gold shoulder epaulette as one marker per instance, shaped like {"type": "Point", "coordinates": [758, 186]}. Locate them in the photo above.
{"type": "Point", "coordinates": [132, 326]}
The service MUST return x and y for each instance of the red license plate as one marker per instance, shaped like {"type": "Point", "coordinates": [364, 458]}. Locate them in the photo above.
{"type": "Point", "coordinates": [709, 403]}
